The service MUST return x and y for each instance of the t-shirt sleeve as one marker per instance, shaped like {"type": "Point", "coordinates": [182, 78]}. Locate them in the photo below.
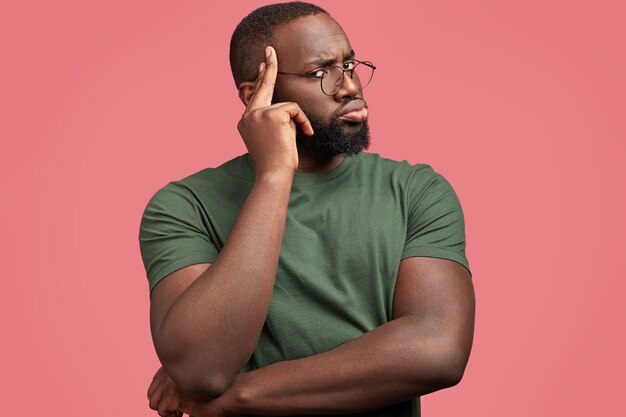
{"type": "Point", "coordinates": [435, 226]}
{"type": "Point", "coordinates": [171, 235]}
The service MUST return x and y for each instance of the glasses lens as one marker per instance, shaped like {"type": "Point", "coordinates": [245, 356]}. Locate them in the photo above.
{"type": "Point", "coordinates": [363, 73]}
{"type": "Point", "coordinates": [331, 83]}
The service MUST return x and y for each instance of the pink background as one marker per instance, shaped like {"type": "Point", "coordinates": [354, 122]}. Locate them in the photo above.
{"type": "Point", "coordinates": [519, 104]}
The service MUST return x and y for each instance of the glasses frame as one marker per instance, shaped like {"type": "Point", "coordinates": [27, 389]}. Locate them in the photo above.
{"type": "Point", "coordinates": [343, 72]}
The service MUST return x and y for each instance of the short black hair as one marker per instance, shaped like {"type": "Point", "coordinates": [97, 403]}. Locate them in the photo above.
{"type": "Point", "coordinates": [255, 32]}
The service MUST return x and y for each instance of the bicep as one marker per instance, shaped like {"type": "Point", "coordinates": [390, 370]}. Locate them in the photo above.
{"type": "Point", "coordinates": [167, 291]}
{"type": "Point", "coordinates": [438, 295]}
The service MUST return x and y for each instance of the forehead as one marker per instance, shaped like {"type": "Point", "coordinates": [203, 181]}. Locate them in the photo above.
{"type": "Point", "coordinates": [309, 38]}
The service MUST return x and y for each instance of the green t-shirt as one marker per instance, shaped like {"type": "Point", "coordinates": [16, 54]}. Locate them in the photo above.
{"type": "Point", "coordinates": [346, 231]}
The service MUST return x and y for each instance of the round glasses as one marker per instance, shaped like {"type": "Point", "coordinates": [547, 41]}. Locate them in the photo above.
{"type": "Point", "coordinates": [331, 78]}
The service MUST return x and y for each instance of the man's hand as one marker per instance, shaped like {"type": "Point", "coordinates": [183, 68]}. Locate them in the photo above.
{"type": "Point", "coordinates": [269, 130]}
{"type": "Point", "coordinates": [169, 401]}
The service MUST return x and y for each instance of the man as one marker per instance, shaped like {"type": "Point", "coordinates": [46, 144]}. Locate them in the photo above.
{"type": "Point", "coordinates": [305, 277]}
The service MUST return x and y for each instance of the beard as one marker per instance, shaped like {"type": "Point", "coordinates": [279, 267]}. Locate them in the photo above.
{"type": "Point", "coordinates": [330, 140]}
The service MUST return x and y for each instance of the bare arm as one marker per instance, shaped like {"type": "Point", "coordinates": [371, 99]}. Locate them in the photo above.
{"type": "Point", "coordinates": [205, 320]}
{"type": "Point", "coordinates": [424, 348]}
{"type": "Point", "coordinates": [212, 327]}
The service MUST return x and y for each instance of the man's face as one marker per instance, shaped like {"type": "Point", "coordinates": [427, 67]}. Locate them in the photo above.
{"type": "Point", "coordinates": [303, 46]}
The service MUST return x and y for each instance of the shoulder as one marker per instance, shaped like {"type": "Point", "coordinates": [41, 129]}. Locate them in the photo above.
{"type": "Point", "coordinates": [374, 160]}
{"type": "Point", "coordinates": [238, 169]}
{"type": "Point", "coordinates": [402, 171]}
{"type": "Point", "coordinates": [422, 187]}
{"type": "Point", "coordinates": [231, 175]}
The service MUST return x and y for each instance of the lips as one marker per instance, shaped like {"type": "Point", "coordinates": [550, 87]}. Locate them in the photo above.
{"type": "Point", "coordinates": [354, 105]}
{"type": "Point", "coordinates": [355, 111]}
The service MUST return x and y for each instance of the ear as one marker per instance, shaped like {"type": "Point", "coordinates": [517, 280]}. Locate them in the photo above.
{"type": "Point", "coordinates": [246, 91]}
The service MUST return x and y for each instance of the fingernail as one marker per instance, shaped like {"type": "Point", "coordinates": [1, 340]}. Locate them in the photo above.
{"type": "Point", "coordinates": [262, 67]}
{"type": "Point", "coordinates": [268, 52]}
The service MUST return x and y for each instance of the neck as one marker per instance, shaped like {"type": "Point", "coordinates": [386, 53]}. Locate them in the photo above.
{"type": "Point", "coordinates": [317, 164]}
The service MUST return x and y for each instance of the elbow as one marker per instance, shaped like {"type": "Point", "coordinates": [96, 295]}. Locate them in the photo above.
{"type": "Point", "coordinates": [194, 378]}
{"type": "Point", "coordinates": [452, 369]}
{"type": "Point", "coordinates": [203, 389]}
{"type": "Point", "coordinates": [191, 374]}
{"type": "Point", "coordinates": [198, 384]}
{"type": "Point", "coordinates": [453, 375]}
{"type": "Point", "coordinates": [439, 369]}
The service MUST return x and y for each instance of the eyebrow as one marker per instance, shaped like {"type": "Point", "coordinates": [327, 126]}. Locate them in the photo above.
{"type": "Point", "coordinates": [323, 62]}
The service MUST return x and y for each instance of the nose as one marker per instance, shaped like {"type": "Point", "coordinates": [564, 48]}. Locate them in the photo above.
{"type": "Point", "coordinates": [350, 87]}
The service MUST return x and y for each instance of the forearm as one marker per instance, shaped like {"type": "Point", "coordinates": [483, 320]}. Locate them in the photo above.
{"type": "Point", "coordinates": [213, 327]}
{"type": "Point", "coordinates": [385, 366]}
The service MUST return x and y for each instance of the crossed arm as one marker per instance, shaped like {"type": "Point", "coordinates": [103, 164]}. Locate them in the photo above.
{"type": "Point", "coordinates": [424, 348]}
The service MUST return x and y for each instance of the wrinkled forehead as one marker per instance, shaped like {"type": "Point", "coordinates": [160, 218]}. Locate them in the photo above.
{"type": "Point", "coordinates": [308, 39]}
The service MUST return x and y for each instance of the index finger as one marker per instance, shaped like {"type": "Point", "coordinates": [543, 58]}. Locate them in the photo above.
{"type": "Point", "coordinates": [154, 384]}
{"type": "Point", "coordinates": [265, 88]}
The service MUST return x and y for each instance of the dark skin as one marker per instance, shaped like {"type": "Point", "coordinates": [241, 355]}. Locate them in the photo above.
{"type": "Point", "coordinates": [325, 40]}
{"type": "Point", "coordinates": [424, 348]}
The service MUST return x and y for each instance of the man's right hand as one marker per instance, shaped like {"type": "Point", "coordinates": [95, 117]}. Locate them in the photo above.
{"type": "Point", "coordinates": [239, 283]}
{"type": "Point", "coordinates": [269, 130]}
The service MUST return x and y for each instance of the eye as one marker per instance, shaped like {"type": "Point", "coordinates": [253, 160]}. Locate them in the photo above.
{"type": "Point", "coordinates": [349, 65]}
{"type": "Point", "coordinates": [317, 73]}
